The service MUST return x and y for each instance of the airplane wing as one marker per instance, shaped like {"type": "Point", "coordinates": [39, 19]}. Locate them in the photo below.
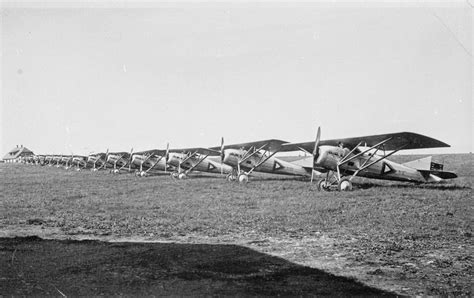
{"type": "Point", "coordinates": [200, 150]}
{"type": "Point", "coordinates": [407, 140]}
{"type": "Point", "coordinates": [120, 153]}
{"type": "Point", "coordinates": [270, 145]}
{"type": "Point", "coordinates": [159, 152]}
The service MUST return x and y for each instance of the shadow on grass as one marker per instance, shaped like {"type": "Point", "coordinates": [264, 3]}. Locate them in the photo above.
{"type": "Point", "coordinates": [33, 266]}
{"type": "Point", "coordinates": [368, 185]}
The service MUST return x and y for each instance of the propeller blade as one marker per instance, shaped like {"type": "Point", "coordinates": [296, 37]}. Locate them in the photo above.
{"type": "Point", "coordinates": [316, 151]}
{"type": "Point", "coordinates": [130, 160]}
{"type": "Point", "coordinates": [316, 143]}
{"type": "Point", "coordinates": [166, 155]}
{"type": "Point", "coordinates": [222, 155]}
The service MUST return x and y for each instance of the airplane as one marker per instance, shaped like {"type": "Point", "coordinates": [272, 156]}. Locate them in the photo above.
{"type": "Point", "coordinates": [150, 160]}
{"type": "Point", "coordinates": [344, 159]}
{"type": "Point", "coordinates": [97, 161]}
{"type": "Point", "coordinates": [196, 159]}
{"type": "Point", "coordinates": [79, 161]}
{"type": "Point", "coordinates": [258, 156]}
{"type": "Point", "coordinates": [57, 159]}
{"type": "Point", "coordinates": [119, 161]}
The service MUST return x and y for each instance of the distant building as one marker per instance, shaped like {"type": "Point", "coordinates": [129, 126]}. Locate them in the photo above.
{"type": "Point", "coordinates": [17, 153]}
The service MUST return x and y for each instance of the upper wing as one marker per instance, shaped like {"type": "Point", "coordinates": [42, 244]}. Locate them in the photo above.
{"type": "Point", "coordinates": [119, 153]}
{"type": "Point", "coordinates": [404, 140]}
{"type": "Point", "coordinates": [270, 145]}
{"type": "Point", "coordinates": [159, 152]}
{"type": "Point", "coordinates": [200, 150]}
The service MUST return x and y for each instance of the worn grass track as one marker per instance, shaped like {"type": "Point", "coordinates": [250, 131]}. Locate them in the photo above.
{"type": "Point", "coordinates": [400, 237]}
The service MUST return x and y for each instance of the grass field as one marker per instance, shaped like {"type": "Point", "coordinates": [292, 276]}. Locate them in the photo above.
{"type": "Point", "coordinates": [393, 238]}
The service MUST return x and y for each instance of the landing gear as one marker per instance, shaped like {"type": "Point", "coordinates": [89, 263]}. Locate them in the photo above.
{"type": "Point", "coordinates": [323, 185]}
{"type": "Point", "coordinates": [332, 182]}
{"type": "Point", "coordinates": [243, 178]}
{"type": "Point", "coordinates": [344, 184]}
{"type": "Point", "coordinates": [180, 176]}
{"type": "Point", "coordinates": [231, 177]}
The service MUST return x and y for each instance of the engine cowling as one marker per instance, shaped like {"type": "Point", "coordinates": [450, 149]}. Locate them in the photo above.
{"type": "Point", "coordinates": [329, 156]}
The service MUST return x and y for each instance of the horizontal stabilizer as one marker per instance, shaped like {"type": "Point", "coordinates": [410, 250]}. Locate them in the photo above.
{"type": "Point", "coordinates": [440, 174]}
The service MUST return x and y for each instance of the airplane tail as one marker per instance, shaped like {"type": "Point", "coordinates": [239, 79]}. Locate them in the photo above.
{"type": "Point", "coordinates": [432, 171]}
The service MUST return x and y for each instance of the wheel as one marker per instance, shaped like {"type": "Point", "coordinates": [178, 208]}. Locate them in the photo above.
{"type": "Point", "coordinates": [344, 184]}
{"type": "Point", "coordinates": [231, 178]}
{"type": "Point", "coordinates": [323, 185]}
{"type": "Point", "coordinates": [243, 178]}
{"type": "Point", "coordinates": [181, 176]}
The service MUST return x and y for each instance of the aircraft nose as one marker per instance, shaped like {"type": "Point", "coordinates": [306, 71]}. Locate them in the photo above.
{"type": "Point", "coordinates": [226, 156]}
{"type": "Point", "coordinates": [135, 159]}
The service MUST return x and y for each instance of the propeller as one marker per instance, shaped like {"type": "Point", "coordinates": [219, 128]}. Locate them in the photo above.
{"type": "Point", "coordinates": [106, 156]}
{"type": "Point", "coordinates": [316, 151]}
{"type": "Point", "coordinates": [222, 155]}
{"type": "Point", "coordinates": [167, 155]}
{"type": "Point", "coordinates": [130, 160]}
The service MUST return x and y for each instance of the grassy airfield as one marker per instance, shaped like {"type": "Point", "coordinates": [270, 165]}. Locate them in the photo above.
{"type": "Point", "coordinates": [275, 235]}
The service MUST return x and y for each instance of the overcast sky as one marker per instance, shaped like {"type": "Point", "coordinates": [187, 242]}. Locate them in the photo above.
{"type": "Point", "coordinates": [77, 78]}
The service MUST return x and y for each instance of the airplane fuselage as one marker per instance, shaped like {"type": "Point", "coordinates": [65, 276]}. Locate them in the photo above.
{"type": "Point", "coordinates": [118, 160]}
{"type": "Point", "coordinates": [206, 165]}
{"type": "Point", "coordinates": [155, 162]}
{"type": "Point", "coordinates": [330, 156]}
{"type": "Point", "coordinates": [272, 165]}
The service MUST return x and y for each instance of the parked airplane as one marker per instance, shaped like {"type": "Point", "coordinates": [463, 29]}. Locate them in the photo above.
{"type": "Point", "coordinates": [97, 161]}
{"type": "Point", "coordinates": [195, 159]}
{"type": "Point", "coordinates": [79, 161]}
{"type": "Point", "coordinates": [149, 161]}
{"type": "Point", "coordinates": [246, 158]}
{"type": "Point", "coordinates": [120, 161]}
{"type": "Point", "coordinates": [344, 159]}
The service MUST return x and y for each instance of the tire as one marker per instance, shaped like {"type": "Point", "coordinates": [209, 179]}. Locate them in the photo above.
{"type": "Point", "coordinates": [230, 178]}
{"type": "Point", "coordinates": [243, 178]}
{"type": "Point", "coordinates": [322, 185]}
{"type": "Point", "coordinates": [344, 185]}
